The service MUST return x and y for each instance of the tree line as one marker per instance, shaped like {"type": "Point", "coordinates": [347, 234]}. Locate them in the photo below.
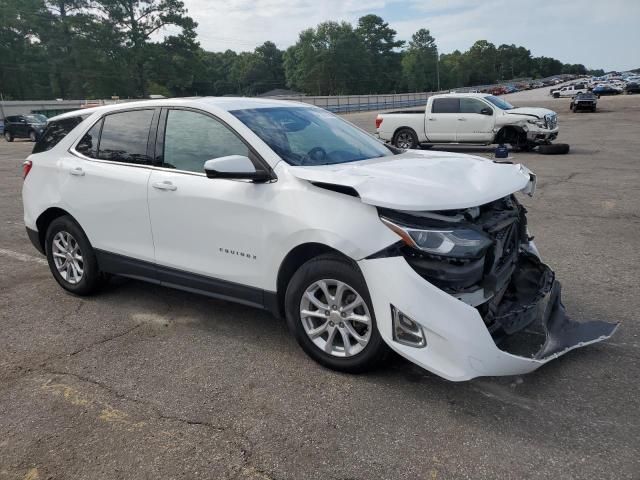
{"type": "Point", "coordinates": [103, 48]}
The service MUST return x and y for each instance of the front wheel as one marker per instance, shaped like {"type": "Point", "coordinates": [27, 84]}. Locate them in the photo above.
{"type": "Point", "coordinates": [329, 311]}
{"type": "Point", "coordinates": [406, 139]}
{"type": "Point", "coordinates": [32, 136]}
{"type": "Point", "coordinates": [71, 257]}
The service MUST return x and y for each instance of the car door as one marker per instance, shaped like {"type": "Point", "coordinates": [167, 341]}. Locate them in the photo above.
{"type": "Point", "coordinates": [208, 233]}
{"type": "Point", "coordinates": [104, 183]}
{"type": "Point", "coordinates": [442, 122]}
{"type": "Point", "coordinates": [21, 127]}
{"type": "Point", "coordinates": [475, 121]}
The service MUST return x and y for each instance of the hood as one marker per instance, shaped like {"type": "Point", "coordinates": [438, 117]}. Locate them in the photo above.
{"type": "Point", "coordinates": [531, 111]}
{"type": "Point", "coordinates": [424, 180]}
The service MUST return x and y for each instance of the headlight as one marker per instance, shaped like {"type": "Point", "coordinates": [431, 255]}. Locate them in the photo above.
{"type": "Point", "coordinates": [447, 242]}
{"type": "Point", "coordinates": [538, 122]}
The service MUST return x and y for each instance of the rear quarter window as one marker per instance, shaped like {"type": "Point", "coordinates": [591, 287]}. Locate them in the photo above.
{"type": "Point", "coordinates": [55, 132]}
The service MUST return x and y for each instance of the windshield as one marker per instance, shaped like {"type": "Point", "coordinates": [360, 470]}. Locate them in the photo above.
{"type": "Point", "coordinates": [37, 118]}
{"type": "Point", "coordinates": [498, 102]}
{"type": "Point", "coordinates": [311, 136]}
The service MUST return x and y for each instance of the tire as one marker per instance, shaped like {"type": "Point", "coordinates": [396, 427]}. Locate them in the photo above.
{"type": "Point", "coordinates": [593, 109]}
{"type": "Point", "coordinates": [334, 270]}
{"type": "Point", "coordinates": [406, 137]}
{"type": "Point", "coordinates": [8, 136]}
{"type": "Point", "coordinates": [33, 136]}
{"type": "Point", "coordinates": [554, 149]}
{"type": "Point", "coordinates": [556, 95]}
{"type": "Point", "coordinates": [66, 233]}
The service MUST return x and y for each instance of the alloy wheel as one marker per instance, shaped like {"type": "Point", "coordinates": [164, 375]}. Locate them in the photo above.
{"type": "Point", "coordinates": [404, 140]}
{"type": "Point", "coordinates": [67, 257]}
{"type": "Point", "coordinates": [336, 318]}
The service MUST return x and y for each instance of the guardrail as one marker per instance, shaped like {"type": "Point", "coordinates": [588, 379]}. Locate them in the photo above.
{"type": "Point", "coordinates": [359, 103]}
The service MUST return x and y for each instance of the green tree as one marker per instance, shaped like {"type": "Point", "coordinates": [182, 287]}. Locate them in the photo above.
{"type": "Point", "coordinates": [383, 60]}
{"type": "Point", "coordinates": [135, 21]}
{"type": "Point", "coordinates": [328, 60]}
{"type": "Point", "coordinates": [419, 67]}
{"type": "Point", "coordinates": [481, 60]}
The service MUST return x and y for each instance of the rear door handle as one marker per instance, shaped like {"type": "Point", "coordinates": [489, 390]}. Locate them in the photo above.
{"type": "Point", "coordinates": [431, 119]}
{"type": "Point", "coordinates": [78, 172]}
{"type": "Point", "coordinates": [462, 119]}
{"type": "Point", "coordinates": [166, 185]}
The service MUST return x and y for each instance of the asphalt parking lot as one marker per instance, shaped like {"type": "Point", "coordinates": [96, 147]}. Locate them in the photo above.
{"type": "Point", "coordinates": [146, 382]}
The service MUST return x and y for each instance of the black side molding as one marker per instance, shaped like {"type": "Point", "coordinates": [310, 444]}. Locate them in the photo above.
{"type": "Point", "coordinates": [187, 281]}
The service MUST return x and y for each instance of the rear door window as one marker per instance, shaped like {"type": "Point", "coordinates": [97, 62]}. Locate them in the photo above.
{"type": "Point", "coordinates": [125, 137]}
{"type": "Point", "coordinates": [55, 132]}
{"type": "Point", "coordinates": [446, 105]}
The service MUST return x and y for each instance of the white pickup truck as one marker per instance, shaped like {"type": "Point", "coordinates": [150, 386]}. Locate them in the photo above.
{"type": "Point", "coordinates": [570, 90]}
{"type": "Point", "coordinates": [474, 118]}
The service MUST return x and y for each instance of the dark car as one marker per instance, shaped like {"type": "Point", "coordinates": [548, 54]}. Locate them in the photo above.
{"type": "Point", "coordinates": [584, 101]}
{"type": "Point", "coordinates": [633, 87]}
{"type": "Point", "coordinates": [606, 90]}
{"type": "Point", "coordinates": [24, 126]}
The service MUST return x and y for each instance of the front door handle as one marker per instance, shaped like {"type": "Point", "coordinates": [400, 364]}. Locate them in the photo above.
{"type": "Point", "coordinates": [78, 172]}
{"type": "Point", "coordinates": [462, 119]}
{"type": "Point", "coordinates": [166, 185]}
{"type": "Point", "coordinates": [431, 119]}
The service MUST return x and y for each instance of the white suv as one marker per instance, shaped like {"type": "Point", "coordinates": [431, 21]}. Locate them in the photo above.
{"type": "Point", "coordinates": [283, 206]}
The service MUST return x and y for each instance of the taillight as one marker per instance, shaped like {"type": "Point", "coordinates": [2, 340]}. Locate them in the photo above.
{"type": "Point", "coordinates": [26, 168]}
{"type": "Point", "coordinates": [378, 121]}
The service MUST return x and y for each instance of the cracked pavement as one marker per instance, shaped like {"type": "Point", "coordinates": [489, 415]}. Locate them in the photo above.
{"type": "Point", "coordinates": [146, 382]}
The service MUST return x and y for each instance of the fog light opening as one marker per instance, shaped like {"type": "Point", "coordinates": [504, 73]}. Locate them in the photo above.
{"type": "Point", "coordinates": [406, 331]}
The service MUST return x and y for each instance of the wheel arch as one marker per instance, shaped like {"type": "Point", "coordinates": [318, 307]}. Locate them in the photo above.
{"type": "Point", "coordinates": [405, 127]}
{"type": "Point", "coordinates": [292, 261]}
{"type": "Point", "coordinates": [45, 219]}
{"type": "Point", "coordinates": [510, 134]}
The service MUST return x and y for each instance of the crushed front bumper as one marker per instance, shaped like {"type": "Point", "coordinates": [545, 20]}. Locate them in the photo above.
{"type": "Point", "coordinates": [529, 324]}
{"type": "Point", "coordinates": [539, 135]}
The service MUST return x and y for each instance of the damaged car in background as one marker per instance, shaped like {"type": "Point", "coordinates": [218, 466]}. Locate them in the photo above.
{"type": "Point", "coordinates": [363, 247]}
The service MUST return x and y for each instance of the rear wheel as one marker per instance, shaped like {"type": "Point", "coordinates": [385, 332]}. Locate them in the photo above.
{"type": "Point", "coordinates": [406, 139]}
{"type": "Point", "coordinates": [8, 136]}
{"type": "Point", "coordinates": [329, 311]}
{"type": "Point", "coordinates": [71, 257]}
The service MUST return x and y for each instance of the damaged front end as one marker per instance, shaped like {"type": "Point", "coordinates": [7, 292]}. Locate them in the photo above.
{"type": "Point", "coordinates": [485, 257]}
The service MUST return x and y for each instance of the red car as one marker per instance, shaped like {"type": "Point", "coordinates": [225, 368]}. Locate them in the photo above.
{"type": "Point", "coordinates": [499, 90]}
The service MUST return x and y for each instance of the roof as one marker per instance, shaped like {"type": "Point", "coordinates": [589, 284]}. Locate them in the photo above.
{"type": "Point", "coordinates": [222, 103]}
{"type": "Point", "coordinates": [281, 92]}
{"type": "Point", "coordinates": [474, 95]}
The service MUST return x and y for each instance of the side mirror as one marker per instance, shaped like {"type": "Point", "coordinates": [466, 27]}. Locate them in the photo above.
{"type": "Point", "coordinates": [236, 167]}
{"type": "Point", "coordinates": [487, 111]}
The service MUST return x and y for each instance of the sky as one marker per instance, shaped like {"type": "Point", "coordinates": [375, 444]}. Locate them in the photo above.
{"type": "Point", "coordinates": [597, 33]}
